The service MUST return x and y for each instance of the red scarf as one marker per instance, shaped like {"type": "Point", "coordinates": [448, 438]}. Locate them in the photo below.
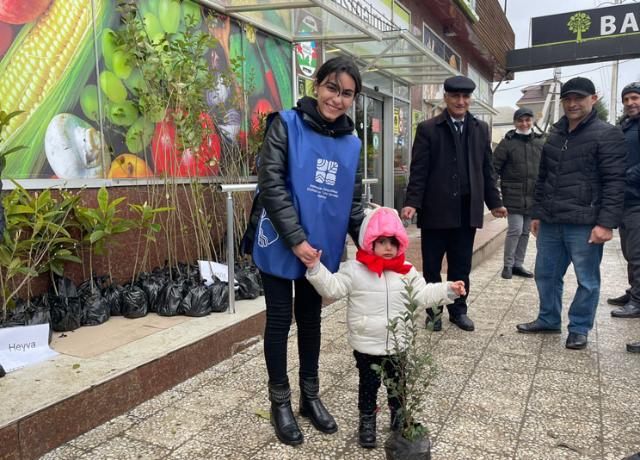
{"type": "Point", "coordinates": [379, 264]}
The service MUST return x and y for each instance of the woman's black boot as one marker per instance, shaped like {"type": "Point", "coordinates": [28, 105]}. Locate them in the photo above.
{"type": "Point", "coordinates": [367, 429]}
{"type": "Point", "coordinates": [312, 407]}
{"type": "Point", "coordinates": [282, 419]}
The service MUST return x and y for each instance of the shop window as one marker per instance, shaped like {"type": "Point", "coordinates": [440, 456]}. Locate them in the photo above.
{"type": "Point", "coordinates": [438, 46]}
{"type": "Point", "coordinates": [483, 87]}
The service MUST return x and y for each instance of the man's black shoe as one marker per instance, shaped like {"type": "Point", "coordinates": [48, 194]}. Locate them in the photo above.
{"type": "Point", "coordinates": [537, 326]}
{"type": "Point", "coordinates": [633, 457]}
{"type": "Point", "coordinates": [436, 325]}
{"type": "Point", "coordinates": [523, 272]}
{"type": "Point", "coordinates": [633, 347]}
{"type": "Point", "coordinates": [628, 311]}
{"type": "Point", "coordinates": [463, 322]}
{"type": "Point", "coordinates": [576, 341]}
{"type": "Point", "coordinates": [619, 301]}
{"type": "Point", "coordinates": [507, 273]}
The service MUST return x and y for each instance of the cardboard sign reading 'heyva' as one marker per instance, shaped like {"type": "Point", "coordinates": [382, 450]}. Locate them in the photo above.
{"type": "Point", "coordinates": [22, 346]}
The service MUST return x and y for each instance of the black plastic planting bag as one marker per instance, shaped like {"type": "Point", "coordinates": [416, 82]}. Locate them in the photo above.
{"type": "Point", "coordinates": [398, 448]}
{"type": "Point", "coordinates": [37, 312]}
{"type": "Point", "coordinates": [28, 313]}
{"type": "Point", "coordinates": [113, 296]}
{"type": "Point", "coordinates": [219, 292]}
{"type": "Point", "coordinates": [95, 310]}
{"type": "Point", "coordinates": [152, 285]}
{"type": "Point", "coordinates": [66, 287]}
{"type": "Point", "coordinates": [248, 284]}
{"type": "Point", "coordinates": [85, 286]}
{"type": "Point", "coordinates": [197, 301]}
{"type": "Point", "coordinates": [134, 302]}
{"type": "Point", "coordinates": [66, 312]}
{"type": "Point", "coordinates": [170, 298]}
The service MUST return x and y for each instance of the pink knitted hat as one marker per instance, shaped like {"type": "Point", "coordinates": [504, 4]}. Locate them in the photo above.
{"type": "Point", "coordinates": [382, 222]}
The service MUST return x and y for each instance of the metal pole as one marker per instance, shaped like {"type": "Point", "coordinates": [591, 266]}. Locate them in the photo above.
{"type": "Point", "coordinates": [614, 93]}
{"type": "Point", "coordinates": [230, 255]}
{"type": "Point", "coordinates": [557, 86]}
{"type": "Point", "coordinates": [613, 104]}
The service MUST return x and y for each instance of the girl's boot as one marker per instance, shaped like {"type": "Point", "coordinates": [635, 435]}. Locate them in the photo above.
{"type": "Point", "coordinates": [282, 419]}
{"type": "Point", "coordinates": [367, 429]}
{"type": "Point", "coordinates": [312, 407]}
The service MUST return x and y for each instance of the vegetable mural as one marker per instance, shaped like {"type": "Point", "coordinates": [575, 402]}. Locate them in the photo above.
{"type": "Point", "coordinates": [78, 123]}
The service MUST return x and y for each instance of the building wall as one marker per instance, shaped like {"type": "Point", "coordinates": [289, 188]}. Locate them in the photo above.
{"type": "Point", "coordinates": [495, 34]}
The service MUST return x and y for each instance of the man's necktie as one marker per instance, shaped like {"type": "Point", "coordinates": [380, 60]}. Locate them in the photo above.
{"type": "Point", "coordinates": [458, 124]}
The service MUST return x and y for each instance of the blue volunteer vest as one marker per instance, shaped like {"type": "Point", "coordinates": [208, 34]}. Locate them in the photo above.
{"type": "Point", "coordinates": [321, 176]}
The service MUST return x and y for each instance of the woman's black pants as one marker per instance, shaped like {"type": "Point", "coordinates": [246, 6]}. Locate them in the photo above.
{"type": "Point", "coordinates": [280, 307]}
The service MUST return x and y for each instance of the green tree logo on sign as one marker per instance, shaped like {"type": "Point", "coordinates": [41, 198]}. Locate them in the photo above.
{"type": "Point", "coordinates": [579, 23]}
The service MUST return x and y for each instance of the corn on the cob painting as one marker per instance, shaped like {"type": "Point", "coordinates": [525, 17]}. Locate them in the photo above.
{"type": "Point", "coordinates": [49, 60]}
{"type": "Point", "coordinates": [81, 123]}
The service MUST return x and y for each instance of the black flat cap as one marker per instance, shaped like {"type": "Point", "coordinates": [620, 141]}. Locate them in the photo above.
{"type": "Point", "coordinates": [522, 112]}
{"type": "Point", "coordinates": [578, 85]}
{"type": "Point", "coordinates": [631, 88]}
{"type": "Point", "coordinates": [459, 84]}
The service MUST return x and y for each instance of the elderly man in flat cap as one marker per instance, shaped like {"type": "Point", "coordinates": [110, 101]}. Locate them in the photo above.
{"type": "Point", "coordinates": [578, 200]}
{"type": "Point", "coordinates": [451, 178]}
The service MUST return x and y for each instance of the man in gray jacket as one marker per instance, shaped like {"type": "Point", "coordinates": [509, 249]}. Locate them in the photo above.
{"type": "Point", "coordinates": [578, 200]}
{"type": "Point", "coordinates": [516, 160]}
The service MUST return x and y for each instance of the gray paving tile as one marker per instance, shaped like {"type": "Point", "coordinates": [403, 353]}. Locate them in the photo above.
{"type": "Point", "coordinates": [216, 398]}
{"type": "Point", "coordinates": [64, 452]}
{"type": "Point", "coordinates": [571, 382]}
{"type": "Point", "coordinates": [200, 447]}
{"type": "Point", "coordinates": [169, 428]}
{"type": "Point", "coordinates": [573, 406]}
{"type": "Point", "coordinates": [241, 430]}
{"type": "Point", "coordinates": [507, 361]}
{"type": "Point", "coordinates": [556, 357]}
{"type": "Point", "coordinates": [492, 402]}
{"type": "Point", "coordinates": [104, 432]}
{"type": "Point", "coordinates": [497, 436]}
{"type": "Point", "coordinates": [559, 438]}
{"type": "Point", "coordinates": [511, 382]}
{"type": "Point", "coordinates": [154, 405]}
{"type": "Point", "coordinates": [124, 448]}
{"type": "Point", "coordinates": [522, 344]}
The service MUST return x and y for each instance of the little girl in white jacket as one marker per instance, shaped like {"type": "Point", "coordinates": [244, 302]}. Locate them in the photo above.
{"type": "Point", "coordinates": [375, 284]}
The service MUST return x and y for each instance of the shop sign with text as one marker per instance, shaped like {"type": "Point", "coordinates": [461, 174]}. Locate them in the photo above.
{"type": "Point", "coordinates": [616, 22]}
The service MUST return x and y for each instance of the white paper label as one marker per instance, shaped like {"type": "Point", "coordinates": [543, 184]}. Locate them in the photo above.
{"type": "Point", "coordinates": [21, 346]}
{"type": "Point", "coordinates": [208, 268]}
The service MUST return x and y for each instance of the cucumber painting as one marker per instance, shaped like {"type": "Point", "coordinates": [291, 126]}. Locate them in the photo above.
{"type": "Point", "coordinates": [80, 116]}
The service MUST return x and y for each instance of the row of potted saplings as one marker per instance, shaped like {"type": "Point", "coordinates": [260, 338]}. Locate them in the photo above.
{"type": "Point", "coordinates": [38, 239]}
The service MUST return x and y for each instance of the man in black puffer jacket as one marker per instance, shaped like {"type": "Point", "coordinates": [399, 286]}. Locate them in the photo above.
{"type": "Point", "coordinates": [630, 227]}
{"type": "Point", "coordinates": [517, 160]}
{"type": "Point", "coordinates": [578, 200]}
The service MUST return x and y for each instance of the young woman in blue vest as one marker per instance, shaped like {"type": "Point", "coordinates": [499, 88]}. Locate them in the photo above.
{"type": "Point", "coordinates": [309, 193]}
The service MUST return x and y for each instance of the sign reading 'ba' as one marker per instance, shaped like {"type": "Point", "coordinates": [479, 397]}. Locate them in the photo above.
{"type": "Point", "coordinates": [585, 26]}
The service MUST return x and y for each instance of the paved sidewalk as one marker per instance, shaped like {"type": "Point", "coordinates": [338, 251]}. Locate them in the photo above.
{"type": "Point", "coordinates": [498, 394]}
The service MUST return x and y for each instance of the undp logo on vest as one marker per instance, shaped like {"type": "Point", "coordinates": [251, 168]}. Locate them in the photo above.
{"type": "Point", "coordinates": [326, 172]}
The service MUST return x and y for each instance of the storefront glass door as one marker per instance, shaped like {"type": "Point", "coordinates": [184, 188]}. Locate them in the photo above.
{"type": "Point", "coordinates": [370, 131]}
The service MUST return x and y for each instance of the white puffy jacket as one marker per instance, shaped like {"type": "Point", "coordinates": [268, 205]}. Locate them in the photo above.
{"type": "Point", "coordinates": [373, 301]}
